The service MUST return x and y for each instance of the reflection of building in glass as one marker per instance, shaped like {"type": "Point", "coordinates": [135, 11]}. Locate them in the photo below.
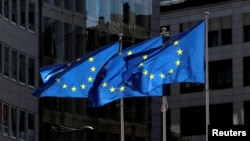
{"type": "Point", "coordinates": [70, 29]}
{"type": "Point", "coordinates": [228, 42]}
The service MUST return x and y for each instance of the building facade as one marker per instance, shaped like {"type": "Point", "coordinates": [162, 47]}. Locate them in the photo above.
{"type": "Point", "coordinates": [18, 70]}
{"type": "Point", "coordinates": [229, 53]}
{"type": "Point", "coordinates": [70, 29]}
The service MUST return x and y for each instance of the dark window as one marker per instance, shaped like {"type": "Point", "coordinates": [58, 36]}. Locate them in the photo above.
{"type": "Point", "coordinates": [6, 9]}
{"type": "Point", "coordinates": [6, 61]}
{"type": "Point", "coordinates": [191, 87]}
{"type": "Point", "coordinates": [126, 13]}
{"type": "Point", "coordinates": [193, 121]}
{"type": "Point", "coordinates": [14, 64]}
{"type": "Point", "coordinates": [166, 89]}
{"type": "Point", "coordinates": [219, 118]}
{"type": "Point", "coordinates": [246, 71]}
{"type": "Point", "coordinates": [246, 29]}
{"type": "Point", "coordinates": [22, 68]}
{"type": "Point", "coordinates": [226, 36]}
{"type": "Point", "coordinates": [22, 16]}
{"type": "Point", "coordinates": [221, 74]}
{"type": "Point", "coordinates": [1, 55]}
{"type": "Point", "coordinates": [247, 113]}
{"type": "Point", "coordinates": [31, 16]}
{"type": "Point", "coordinates": [1, 7]}
{"type": "Point", "coordinates": [31, 72]}
{"type": "Point", "coordinates": [14, 11]}
{"type": "Point", "coordinates": [213, 38]}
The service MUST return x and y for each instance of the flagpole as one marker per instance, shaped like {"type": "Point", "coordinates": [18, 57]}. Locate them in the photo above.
{"type": "Point", "coordinates": [121, 100]}
{"type": "Point", "coordinates": [164, 100]}
{"type": "Point", "coordinates": [206, 71]}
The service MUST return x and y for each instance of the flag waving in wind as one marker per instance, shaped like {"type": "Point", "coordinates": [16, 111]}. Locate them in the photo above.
{"type": "Point", "coordinates": [49, 71]}
{"type": "Point", "coordinates": [181, 59]}
{"type": "Point", "coordinates": [75, 80]}
{"type": "Point", "coordinates": [111, 86]}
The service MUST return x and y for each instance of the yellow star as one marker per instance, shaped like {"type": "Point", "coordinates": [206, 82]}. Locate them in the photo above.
{"type": "Point", "coordinates": [179, 51]}
{"type": "Point", "coordinates": [57, 79]}
{"type": "Point", "coordinates": [83, 86]}
{"type": "Point", "coordinates": [122, 88]}
{"type": "Point", "coordinates": [145, 72]}
{"type": "Point", "coordinates": [64, 86]}
{"type": "Point", "coordinates": [104, 84]}
{"type": "Point", "coordinates": [73, 89]}
{"type": "Point", "coordinates": [90, 79]}
{"type": "Point", "coordinates": [140, 65]}
{"type": "Point", "coordinates": [91, 59]}
{"type": "Point", "coordinates": [130, 52]}
{"type": "Point", "coordinates": [162, 75]}
{"type": "Point", "coordinates": [176, 42]}
{"type": "Point", "coordinates": [151, 76]}
{"type": "Point", "coordinates": [178, 63]}
{"type": "Point", "coordinates": [92, 69]}
{"type": "Point", "coordinates": [145, 57]}
{"type": "Point", "coordinates": [171, 71]}
{"type": "Point", "coordinates": [112, 89]}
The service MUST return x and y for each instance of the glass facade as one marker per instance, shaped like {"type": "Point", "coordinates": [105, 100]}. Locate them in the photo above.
{"type": "Point", "coordinates": [71, 29]}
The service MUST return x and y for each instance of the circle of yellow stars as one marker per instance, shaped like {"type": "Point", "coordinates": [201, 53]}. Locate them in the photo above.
{"type": "Point", "coordinates": [170, 71]}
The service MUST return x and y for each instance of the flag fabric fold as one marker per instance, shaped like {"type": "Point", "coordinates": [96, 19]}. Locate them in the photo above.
{"type": "Point", "coordinates": [181, 59]}
{"type": "Point", "coordinates": [110, 86]}
{"type": "Point", "coordinates": [49, 71]}
{"type": "Point", "coordinates": [77, 78]}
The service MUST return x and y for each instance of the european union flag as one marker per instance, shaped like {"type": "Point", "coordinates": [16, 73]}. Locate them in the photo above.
{"type": "Point", "coordinates": [180, 60]}
{"type": "Point", "coordinates": [111, 86]}
{"type": "Point", "coordinates": [76, 80]}
{"type": "Point", "coordinates": [49, 71]}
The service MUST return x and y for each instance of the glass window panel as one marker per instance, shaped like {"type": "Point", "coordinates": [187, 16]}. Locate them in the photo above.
{"type": "Point", "coordinates": [5, 120]}
{"type": "Point", "coordinates": [79, 6]}
{"type": "Point", "coordinates": [14, 65]}
{"type": "Point", "coordinates": [31, 71]}
{"type": "Point", "coordinates": [14, 11]}
{"type": "Point", "coordinates": [246, 71]}
{"type": "Point", "coordinates": [1, 115]}
{"type": "Point", "coordinates": [31, 126]}
{"type": "Point", "coordinates": [1, 7]}
{"type": "Point", "coordinates": [22, 68]}
{"type": "Point", "coordinates": [247, 113]}
{"type": "Point", "coordinates": [6, 9]}
{"type": "Point", "coordinates": [13, 123]}
{"type": "Point", "coordinates": [22, 15]}
{"type": "Point", "coordinates": [21, 119]}
{"type": "Point", "coordinates": [58, 3]}
{"type": "Point", "coordinates": [6, 61]}
{"type": "Point", "coordinates": [57, 47]}
{"type": "Point", "coordinates": [68, 4]}
{"type": "Point", "coordinates": [68, 42]}
{"type": "Point", "coordinates": [226, 36]}
{"type": "Point", "coordinates": [219, 118]}
{"type": "Point", "coordinates": [79, 41]}
{"type": "Point", "coordinates": [1, 59]}
{"type": "Point", "coordinates": [213, 38]}
{"type": "Point", "coordinates": [246, 33]}
{"type": "Point", "coordinates": [222, 75]}
{"type": "Point", "coordinates": [31, 16]}
{"type": "Point", "coordinates": [189, 116]}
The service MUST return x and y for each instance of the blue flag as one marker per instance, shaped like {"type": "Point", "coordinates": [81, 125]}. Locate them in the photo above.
{"type": "Point", "coordinates": [76, 80]}
{"type": "Point", "coordinates": [49, 71]}
{"type": "Point", "coordinates": [111, 87]}
{"type": "Point", "coordinates": [181, 59]}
